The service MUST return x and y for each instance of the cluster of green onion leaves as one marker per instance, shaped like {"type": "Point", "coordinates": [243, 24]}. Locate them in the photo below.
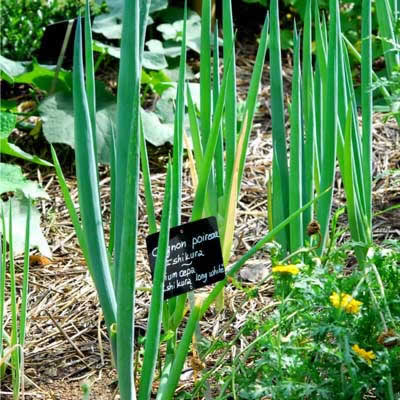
{"type": "Point", "coordinates": [324, 128]}
{"type": "Point", "coordinates": [11, 345]}
{"type": "Point", "coordinates": [324, 131]}
{"type": "Point", "coordinates": [214, 133]}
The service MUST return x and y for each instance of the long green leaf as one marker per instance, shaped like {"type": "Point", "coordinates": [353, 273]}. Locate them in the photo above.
{"type": "Point", "coordinates": [89, 200]}
{"type": "Point", "coordinates": [127, 276]}
{"type": "Point", "coordinates": [355, 136]}
{"type": "Point", "coordinates": [366, 105]}
{"type": "Point", "coordinates": [329, 135]}
{"type": "Point", "coordinates": [133, 27]}
{"type": "Point", "coordinates": [178, 134]}
{"type": "Point", "coordinates": [89, 73]}
{"type": "Point", "coordinates": [219, 151]}
{"type": "Point", "coordinates": [357, 227]}
{"type": "Point", "coordinates": [233, 187]}
{"type": "Point", "coordinates": [147, 183]}
{"type": "Point", "coordinates": [177, 156]}
{"type": "Point", "coordinates": [3, 255]}
{"type": "Point", "coordinates": [321, 44]}
{"type": "Point", "coordinates": [195, 130]}
{"type": "Point", "coordinates": [25, 282]}
{"type": "Point", "coordinates": [231, 99]}
{"type": "Point", "coordinates": [308, 102]}
{"type": "Point", "coordinates": [296, 149]}
{"type": "Point", "coordinates": [154, 324]}
{"type": "Point", "coordinates": [252, 94]}
{"type": "Point", "coordinates": [126, 266]}
{"type": "Point", "coordinates": [15, 355]}
{"type": "Point", "coordinates": [386, 29]}
{"type": "Point", "coordinates": [205, 168]}
{"type": "Point", "coordinates": [70, 205]}
{"type": "Point", "coordinates": [113, 178]}
{"type": "Point", "coordinates": [280, 173]}
{"type": "Point", "coordinates": [205, 72]}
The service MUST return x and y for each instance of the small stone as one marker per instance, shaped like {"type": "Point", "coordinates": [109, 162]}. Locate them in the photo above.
{"type": "Point", "coordinates": [254, 272]}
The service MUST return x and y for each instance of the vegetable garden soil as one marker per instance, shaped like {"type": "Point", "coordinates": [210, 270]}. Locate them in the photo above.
{"type": "Point", "coordinates": [66, 342]}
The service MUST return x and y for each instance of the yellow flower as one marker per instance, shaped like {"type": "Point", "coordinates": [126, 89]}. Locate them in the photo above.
{"type": "Point", "coordinates": [335, 299]}
{"type": "Point", "coordinates": [286, 269]}
{"type": "Point", "coordinates": [345, 302]}
{"type": "Point", "coordinates": [368, 356]}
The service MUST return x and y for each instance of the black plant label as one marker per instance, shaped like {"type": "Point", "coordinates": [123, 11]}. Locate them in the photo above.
{"type": "Point", "coordinates": [194, 257]}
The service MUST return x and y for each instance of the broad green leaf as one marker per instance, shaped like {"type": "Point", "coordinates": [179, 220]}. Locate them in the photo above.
{"type": "Point", "coordinates": [10, 69]}
{"type": "Point", "coordinates": [58, 119]}
{"type": "Point", "coordinates": [156, 132]}
{"type": "Point", "coordinates": [13, 180]}
{"type": "Point", "coordinates": [7, 124]}
{"type": "Point", "coordinates": [170, 48]}
{"type": "Point", "coordinates": [154, 61]}
{"type": "Point", "coordinates": [110, 26]}
{"type": "Point", "coordinates": [158, 81]}
{"type": "Point", "coordinates": [116, 6]}
{"type": "Point", "coordinates": [165, 107]}
{"type": "Point", "coordinates": [14, 151]}
{"type": "Point", "coordinates": [19, 213]}
{"type": "Point", "coordinates": [42, 77]}
{"type": "Point", "coordinates": [8, 105]}
{"type": "Point", "coordinates": [151, 59]}
{"type": "Point", "coordinates": [173, 31]}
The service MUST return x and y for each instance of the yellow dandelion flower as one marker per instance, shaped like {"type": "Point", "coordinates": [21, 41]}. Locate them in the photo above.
{"type": "Point", "coordinates": [368, 356]}
{"type": "Point", "coordinates": [353, 306]}
{"type": "Point", "coordinates": [345, 302]}
{"type": "Point", "coordinates": [335, 299]}
{"type": "Point", "coordinates": [286, 269]}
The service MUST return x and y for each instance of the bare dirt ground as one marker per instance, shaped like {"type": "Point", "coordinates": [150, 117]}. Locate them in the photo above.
{"type": "Point", "coordinates": [66, 342]}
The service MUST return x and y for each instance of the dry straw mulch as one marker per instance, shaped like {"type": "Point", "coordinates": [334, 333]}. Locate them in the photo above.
{"type": "Point", "coordinates": [66, 336]}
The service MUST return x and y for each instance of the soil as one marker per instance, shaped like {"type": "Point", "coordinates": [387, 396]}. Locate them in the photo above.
{"type": "Point", "coordinates": [66, 342]}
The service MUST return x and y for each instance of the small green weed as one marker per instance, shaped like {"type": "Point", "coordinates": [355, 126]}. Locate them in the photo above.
{"type": "Point", "coordinates": [332, 336]}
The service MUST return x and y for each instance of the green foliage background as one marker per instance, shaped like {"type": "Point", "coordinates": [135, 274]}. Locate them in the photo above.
{"type": "Point", "coordinates": [23, 23]}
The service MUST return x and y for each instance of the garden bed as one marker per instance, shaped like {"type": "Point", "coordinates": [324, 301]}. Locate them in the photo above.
{"type": "Point", "coordinates": [67, 343]}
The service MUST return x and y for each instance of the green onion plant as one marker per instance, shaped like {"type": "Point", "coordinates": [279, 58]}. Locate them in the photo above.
{"type": "Point", "coordinates": [325, 131]}
{"type": "Point", "coordinates": [219, 153]}
{"type": "Point", "coordinates": [12, 343]}
{"type": "Point", "coordinates": [324, 128]}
